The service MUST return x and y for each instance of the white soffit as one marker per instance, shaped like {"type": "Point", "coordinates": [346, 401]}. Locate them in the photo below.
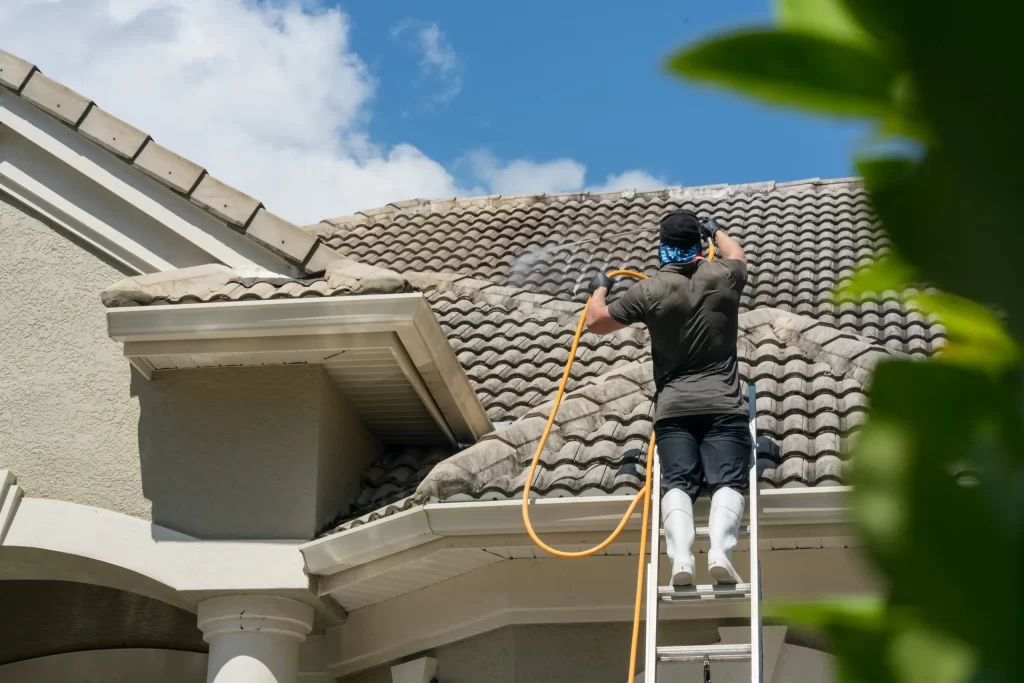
{"type": "Point", "coordinates": [386, 352]}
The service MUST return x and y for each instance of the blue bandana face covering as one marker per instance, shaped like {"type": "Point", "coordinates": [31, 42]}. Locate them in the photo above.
{"type": "Point", "coordinates": [676, 255]}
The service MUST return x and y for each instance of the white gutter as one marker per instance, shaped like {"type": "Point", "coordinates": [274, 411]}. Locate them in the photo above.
{"type": "Point", "coordinates": [822, 505]}
{"type": "Point", "coordinates": [403, 322]}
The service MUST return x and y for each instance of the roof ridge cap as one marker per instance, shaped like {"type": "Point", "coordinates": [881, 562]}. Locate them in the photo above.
{"type": "Point", "coordinates": [427, 206]}
{"type": "Point", "coordinates": [139, 150]}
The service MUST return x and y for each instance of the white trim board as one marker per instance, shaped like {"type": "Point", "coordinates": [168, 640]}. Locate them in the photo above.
{"type": "Point", "coordinates": [183, 562]}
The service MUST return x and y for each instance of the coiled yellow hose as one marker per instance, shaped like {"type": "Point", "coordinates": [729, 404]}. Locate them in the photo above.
{"type": "Point", "coordinates": [642, 494]}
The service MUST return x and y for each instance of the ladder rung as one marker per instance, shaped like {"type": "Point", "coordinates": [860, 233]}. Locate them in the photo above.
{"type": "Point", "coordinates": [698, 653]}
{"type": "Point", "coordinates": [702, 531]}
{"type": "Point", "coordinates": [740, 591]}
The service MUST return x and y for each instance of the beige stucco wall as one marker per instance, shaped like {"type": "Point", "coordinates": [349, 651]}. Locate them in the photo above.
{"type": "Point", "coordinates": [257, 452]}
{"type": "Point", "coordinates": [67, 417]}
{"type": "Point", "coordinates": [346, 449]}
{"type": "Point", "coordinates": [239, 452]}
{"type": "Point", "coordinates": [556, 653]}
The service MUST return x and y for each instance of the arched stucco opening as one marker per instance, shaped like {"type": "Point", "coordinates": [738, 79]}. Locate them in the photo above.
{"type": "Point", "coordinates": [43, 618]}
{"type": "Point", "coordinates": [19, 564]}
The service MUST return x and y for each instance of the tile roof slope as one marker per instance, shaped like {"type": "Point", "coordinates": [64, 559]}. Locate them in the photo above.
{"type": "Point", "coordinates": [140, 151]}
{"type": "Point", "coordinates": [811, 381]}
{"type": "Point", "coordinates": [801, 239]}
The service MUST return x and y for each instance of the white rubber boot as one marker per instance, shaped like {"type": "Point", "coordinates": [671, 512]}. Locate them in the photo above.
{"type": "Point", "coordinates": [724, 529]}
{"type": "Point", "coordinates": [677, 518]}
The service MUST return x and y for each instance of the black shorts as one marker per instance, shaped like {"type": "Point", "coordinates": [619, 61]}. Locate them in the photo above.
{"type": "Point", "coordinates": [695, 448]}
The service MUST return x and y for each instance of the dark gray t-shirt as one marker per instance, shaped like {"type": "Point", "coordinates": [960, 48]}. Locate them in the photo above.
{"type": "Point", "coordinates": [692, 314]}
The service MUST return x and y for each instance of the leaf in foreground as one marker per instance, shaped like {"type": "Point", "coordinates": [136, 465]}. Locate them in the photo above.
{"type": "Point", "coordinates": [796, 69]}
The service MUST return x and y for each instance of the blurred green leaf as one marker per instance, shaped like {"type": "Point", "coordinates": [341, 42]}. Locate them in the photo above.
{"type": "Point", "coordinates": [857, 633]}
{"type": "Point", "coordinates": [975, 335]}
{"type": "Point", "coordinates": [864, 610]}
{"type": "Point", "coordinates": [874, 644]}
{"type": "Point", "coordinates": [887, 274]}
{"type": "Point", "coordinates": [826, 18]}
{"type": "Point", "coordinates": [883, 20]}
{"type": "Point", "coordinates": [937, 229]}
{"type": "Point", "coordinates": [923, 528]}
{"type": "Point", "coordinates": [792, 68]}
{"type": "Point", "coordinates": [963, 92]}
{"type": "Point", "coordinates": [919, 654]}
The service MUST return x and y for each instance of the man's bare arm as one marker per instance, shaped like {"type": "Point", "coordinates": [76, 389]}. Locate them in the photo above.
{"type": "Point", "coordinates": [728, 247]}
{"type": "Point", "coordinates": [598, 321]}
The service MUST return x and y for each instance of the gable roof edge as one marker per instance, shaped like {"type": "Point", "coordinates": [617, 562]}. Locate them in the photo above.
{"type": "Point", "coordinates": [139, 150]}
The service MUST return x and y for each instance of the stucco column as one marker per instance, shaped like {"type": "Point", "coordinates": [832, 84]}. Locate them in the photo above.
{"type": "Point", "coordinates": [254, 638]}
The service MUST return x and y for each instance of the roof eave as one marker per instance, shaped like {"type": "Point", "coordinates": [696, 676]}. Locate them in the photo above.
{"type": "Point", "coordinates": [820, 505]}
{"type": "Point", "coordinates": [258, 332]}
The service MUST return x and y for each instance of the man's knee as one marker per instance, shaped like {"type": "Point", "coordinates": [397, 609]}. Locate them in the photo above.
{"type": "Point", "coordinates": [690, 488]}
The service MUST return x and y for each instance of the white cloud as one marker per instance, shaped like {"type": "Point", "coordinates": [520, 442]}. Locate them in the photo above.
{"type": "Point", "coordinates": [630, 180]}
{"type": "Point", "coordinates": [438, 58]}
{"type": "Point", "coordinates": [525, 177]}
{"type": "Point", "coordinates": [269, 96]}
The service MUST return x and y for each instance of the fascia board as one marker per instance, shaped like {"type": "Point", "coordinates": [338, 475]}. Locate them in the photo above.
{"type": "Point", "coordinates": [380, 538]}
{"type": "Point", "coordinates": [277, 317]}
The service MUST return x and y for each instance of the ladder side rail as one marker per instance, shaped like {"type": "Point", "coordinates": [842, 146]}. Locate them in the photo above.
{"type": "Point", "coordinates": [651, 624]}
{"type": "Point", "coordinates": [756, 663]}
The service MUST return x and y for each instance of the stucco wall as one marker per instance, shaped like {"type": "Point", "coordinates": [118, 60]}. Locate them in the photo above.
{"type": "Point", "coordinates": [346, 449]}
{"type": "Point", "coordinates": [557, 653]}
{"type": "Point", "coordinates": [67, 417]}
{"type": "Point", "coordinates": [246, 452]}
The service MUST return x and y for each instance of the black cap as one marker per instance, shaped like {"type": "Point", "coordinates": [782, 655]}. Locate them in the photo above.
{"type": "Point", "coordinates": [680, 229]}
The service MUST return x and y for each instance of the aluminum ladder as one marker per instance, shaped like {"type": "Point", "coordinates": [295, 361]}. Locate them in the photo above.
{"type": "Point", "coordinates": [655, 594]}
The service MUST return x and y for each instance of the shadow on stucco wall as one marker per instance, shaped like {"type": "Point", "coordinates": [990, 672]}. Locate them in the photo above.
{"type": "Point", "coordinates": [236, 452]}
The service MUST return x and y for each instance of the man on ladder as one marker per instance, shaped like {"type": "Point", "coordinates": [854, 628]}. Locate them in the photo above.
{"type": "Point", "coordinates": [691, 310]}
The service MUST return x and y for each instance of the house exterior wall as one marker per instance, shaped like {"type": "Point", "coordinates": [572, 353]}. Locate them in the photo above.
{"type": "Point", "coordinates": [346, 449]}
{"type": "Point", "coordinates": [556, 653]}
{"type": "Point", "coordinates": [249, 452]}
{"type": "Point", "coordinates": [257, 452]}
{"type": "Point", "coordinates": [68, 419]}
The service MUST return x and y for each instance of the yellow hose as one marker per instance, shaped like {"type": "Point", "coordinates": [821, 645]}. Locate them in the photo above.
{"type": "Point", "coordinates": [641, 494]}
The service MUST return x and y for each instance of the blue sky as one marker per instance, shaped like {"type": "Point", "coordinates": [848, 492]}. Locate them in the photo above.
{"type": "Point", "coordinates": [584, 80]}
{"type": "Point", "coordinates": [321, 110]}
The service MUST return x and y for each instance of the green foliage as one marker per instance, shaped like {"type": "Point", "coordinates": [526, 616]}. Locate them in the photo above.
{"type": "Point", "coordinates": [830, 19]}
{"type": "Point", "coordinates": [875, 643]}
{"type": "Point", "coordinates": [794, 67]}
{"type": "Point", "coordinates": [939, 78]}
